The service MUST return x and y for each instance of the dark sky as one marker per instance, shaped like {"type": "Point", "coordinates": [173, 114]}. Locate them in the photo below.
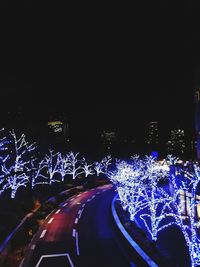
{"type": "Point", "coordinates": [119, 75]}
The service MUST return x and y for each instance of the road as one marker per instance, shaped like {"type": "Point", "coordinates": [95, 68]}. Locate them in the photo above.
{"type": "Point", "coordinates": [80, 233]}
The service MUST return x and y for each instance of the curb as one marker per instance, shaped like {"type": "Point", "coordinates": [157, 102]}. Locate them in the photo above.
{"type": "Point", "coordinates": [133, 244]}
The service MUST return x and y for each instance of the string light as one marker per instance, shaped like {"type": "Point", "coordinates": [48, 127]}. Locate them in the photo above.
{"type": "Point", "coordinates": [102, 166]}
{"type": "Point", "coordinates": [14, 168]}
{"type": "Point", "coordinates": [75, 165]}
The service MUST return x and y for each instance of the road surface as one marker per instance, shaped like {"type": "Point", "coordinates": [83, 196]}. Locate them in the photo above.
{"type": "Point", "coordinates": [80, 233]}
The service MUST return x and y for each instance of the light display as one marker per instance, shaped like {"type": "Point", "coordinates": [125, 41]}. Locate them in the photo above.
{"type": "Point", "coordinates": [137, 186]}
{"type": "Point", "coordinates": [51, 162]}
{"type": "Point", "coordinates": [141, 195]}
{"type": "Point", "coordinates": [87, 168]}
{"type": "Point", "coordinates": [172, 160]}
{"type": "Point", "coordinates": [63, 165]}
{"type": "Point", "coordinates": [98, 167]}
{"type": "Point", "coordinates": [36, 169]}
{"type": "Point", "coordinates": [3, 157]}
{"type": "Point", "coordinates": [106, 161]}
{"type": "Point", "coordinates": [158, 209]}
{"type": "Point", "coordinates": [14, 169]}
{"type": "Point", "coordinates": [3, 144]}
{"type": "Point", "coordinates": [70, 164]}
{"type": "Point", "coordinates": [137, 182]}
{"type": "Point", "coordinates": [75, 167]}
{"type": "Point", "coordinates": [189, 230]}
{"type": "Point", "coordinates": [102, 166]}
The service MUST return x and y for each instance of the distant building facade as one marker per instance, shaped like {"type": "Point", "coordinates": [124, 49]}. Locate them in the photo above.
{"type": "Point", "coordinates": [152, 136]}
{"type": "Point", "coordinates": [108, 138]}
{"type": "Point", "coordinates": [176, 143]}
{"type": "Point", "coordinates": [58, 131]}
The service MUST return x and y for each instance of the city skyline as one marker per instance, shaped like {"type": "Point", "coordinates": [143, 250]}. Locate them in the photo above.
{"type": "Point", "coordinates": [88, 116]}
{"type": "Point", "coordinates": [121, 80]}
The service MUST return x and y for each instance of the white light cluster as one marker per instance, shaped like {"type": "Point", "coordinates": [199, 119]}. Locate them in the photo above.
{"type": "Point", "coordinates": [14, 168]}
{"type": "Point", "coordinates": [190, 231]}
{"type": "Point", "coordinates": [19, 167]}
{"type": "Point", "coordinates": [137, 186]}
{"type": "Point", "coordinates": [159, 207]}
{"type": "Point", "coordinates": [102, 166]}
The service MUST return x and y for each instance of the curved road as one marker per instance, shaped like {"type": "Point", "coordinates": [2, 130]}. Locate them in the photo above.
{"type": "Point", "coordinates": [80, 233]}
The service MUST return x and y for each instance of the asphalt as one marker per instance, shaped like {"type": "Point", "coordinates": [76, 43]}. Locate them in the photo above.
{"type": "Point", "coordinates": [80, 233]}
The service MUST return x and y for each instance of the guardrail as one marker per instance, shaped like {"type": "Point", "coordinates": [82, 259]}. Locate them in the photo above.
{"type": "Point", "coordinates": [132, 243]}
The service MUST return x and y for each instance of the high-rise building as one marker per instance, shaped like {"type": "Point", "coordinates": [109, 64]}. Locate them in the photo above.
{"type": "Point", "coordinates": [58, 131]}
{"type": "Point", "coordinates": [152, 136]}
{"type": "Point", "coordinates": [176, 143]}
{"type": "Point", "coordinates": [197, 121]}
{"type": "Point", "coordinates": [109, 138]}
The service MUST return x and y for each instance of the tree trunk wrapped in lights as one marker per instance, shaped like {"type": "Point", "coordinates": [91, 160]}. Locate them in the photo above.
{"type": "Point", "coordinates": [15, 168]}
{"type": "Point", "coordinates": [36, 171]}
{"type": "Point", "coordinates": [51, 162]}
{"type": "Point", "coordinates": [137, 186]}
{"type": "Point", "coordinates": [75, 167]}
{"type": "Point", "coordinates": [189, 228]}
{"type": "Point", "coordinates": [102, 166]}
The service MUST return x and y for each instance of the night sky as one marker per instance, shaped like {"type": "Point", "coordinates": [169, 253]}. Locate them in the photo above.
{"type": "Point", "coordinates": [116, 76]}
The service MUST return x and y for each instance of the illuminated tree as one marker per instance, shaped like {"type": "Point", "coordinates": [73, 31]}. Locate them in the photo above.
{"type": "Point", "coordinates": [139, 192]}
{"type": "Point", "coordinates": [159, 201]}
{"type": "Point", "coordinates": [98, 168]}
{"type": "Point", "coordinates": [3, 155]}
{"type": "Point", "coordinates": [102, 166]}
{"type": "Point", "coordinates": [123, 196]}
{"type": "Point", "coordinates": [51, 161]}
{"type": "Point", "coordinates": [106, 161]}
{"type": "Point", "coordinates": [136, 161]}
{"type": "Point", "coordinates": [130, 186]}
{"type": "Point", "coordinates": [172, 160]}
{"type": "Point", "coordinates": [158, 209]}
{"type": "Point", "coordinates": [35, 170]}
{"type": "Point", "coordinates": [75, 167]}
{"type": "Point", "coordinates": [70, 164]}
{"type": "Point", "coordinates": [64, 164]}
{"type": "Point", "coordinates": [188, 227]}
{"type": "Point", "coordinates": [4, 142]}
{"type": "Point", "coordinates": [121, 178]}
{"type": "Point", "coordinates": [137, 200]}
{"type": "Point", "coordinates": [195, 241]}
{"type": "Point", "coordinates": [87, 168]}
{"type": "Point", "coordinates": [15, 167]}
